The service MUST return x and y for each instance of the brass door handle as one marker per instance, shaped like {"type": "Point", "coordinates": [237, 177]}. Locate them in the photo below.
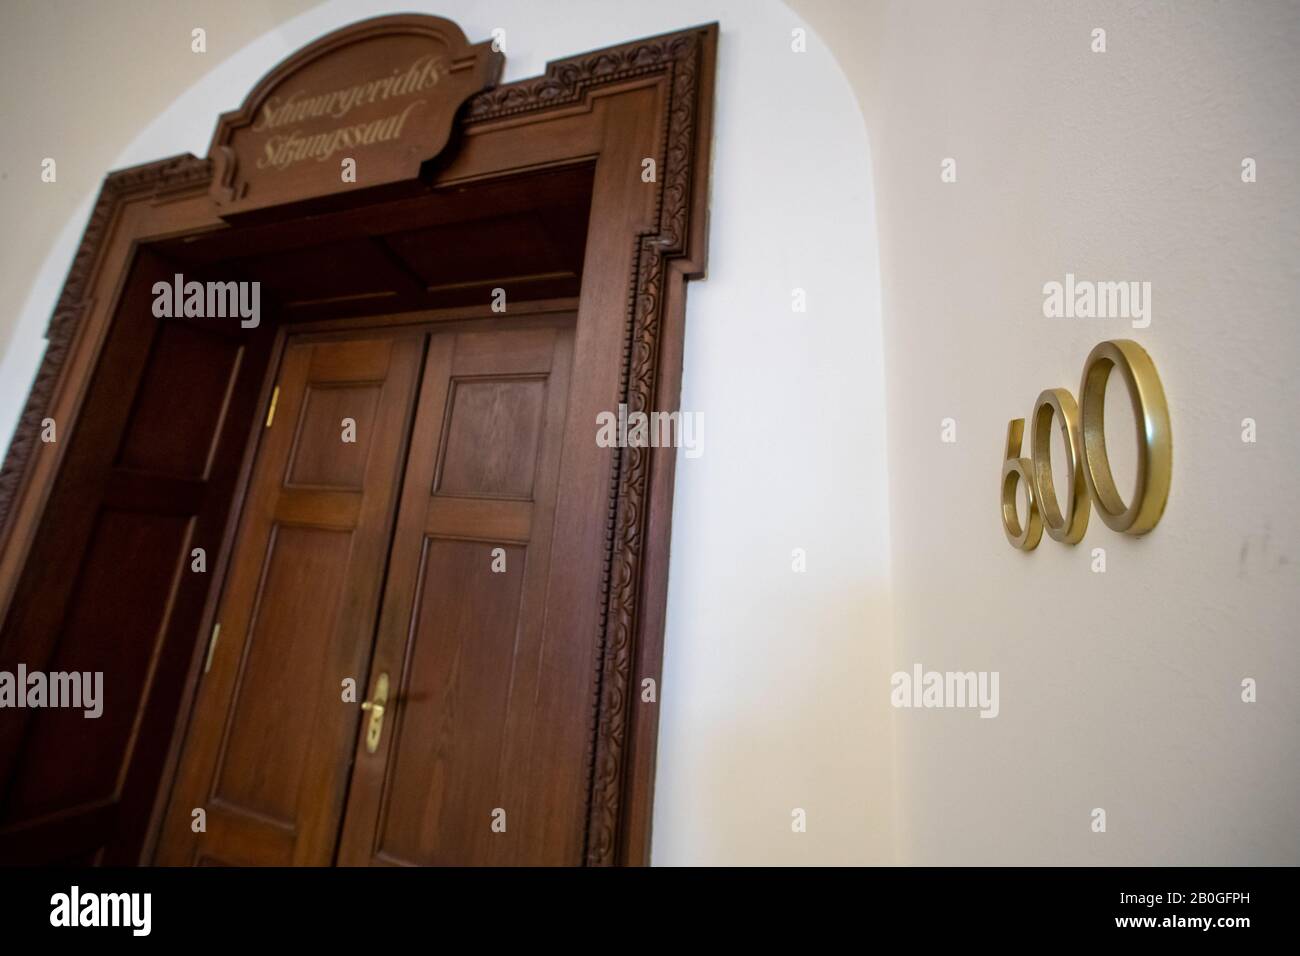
{"type": "Point", "coordinates": [375, 726]}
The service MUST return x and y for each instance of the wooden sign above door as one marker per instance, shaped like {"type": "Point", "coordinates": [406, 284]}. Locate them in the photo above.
{"type": "Point", "coordinates": [363, 106]}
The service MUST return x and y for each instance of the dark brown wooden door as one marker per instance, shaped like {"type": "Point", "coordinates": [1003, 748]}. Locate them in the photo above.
{"type": "Point", "coordinates": [459, 775]}
{"type": "Point", "coordinates": [269, 743]}
{"type": "Point", "coordinates": [111, 585]}
{"type": "Point", "coordinates": [470, 763]}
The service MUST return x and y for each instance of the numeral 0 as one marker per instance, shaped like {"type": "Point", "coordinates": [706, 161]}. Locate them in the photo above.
{"type": "Point", "coordinates": [1084, 428]}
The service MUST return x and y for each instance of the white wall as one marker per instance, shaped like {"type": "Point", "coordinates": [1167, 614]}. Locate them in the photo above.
{"type": "Point", "coordinates": [767, 701]}
{"type": "Point", "coordinates": [1118, 690]}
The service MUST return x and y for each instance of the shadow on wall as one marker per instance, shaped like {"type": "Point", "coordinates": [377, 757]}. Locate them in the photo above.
{"type": "Point", "coordinates": [781, 761]}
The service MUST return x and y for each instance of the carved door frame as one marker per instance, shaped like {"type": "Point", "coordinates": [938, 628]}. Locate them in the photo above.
{"type": "Point", "coordinates": [650, 98]}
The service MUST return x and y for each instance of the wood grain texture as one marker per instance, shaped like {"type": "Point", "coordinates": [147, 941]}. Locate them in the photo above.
{"type": "Point", "coordinates": [267, 754]}
{"type": "Point", "coordinates": [109, 587]}
{"type": "Point", "coordinates": [431, 51]}
{"type": "Point", "coordinates": [466, 643]}
{"type": "Point", "coordinates": [650, 97]}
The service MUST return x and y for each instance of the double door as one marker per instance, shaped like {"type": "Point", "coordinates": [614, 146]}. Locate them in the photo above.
{"type": "Point", "coordinates": [376, 689]}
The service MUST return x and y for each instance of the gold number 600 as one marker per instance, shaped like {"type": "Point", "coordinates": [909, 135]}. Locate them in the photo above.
{"type": "Point", "coordinates": [1090, 480]}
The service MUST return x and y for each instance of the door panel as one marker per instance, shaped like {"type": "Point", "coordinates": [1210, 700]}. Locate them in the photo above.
{"type": "Point", "coordinates": [463, 642]}
{"type": "Point", "coordinates": [109, 587]}
{"type": "Point", "coordinates": [305, 573]}
{"type": "Point", "coordinates": [269, 744]}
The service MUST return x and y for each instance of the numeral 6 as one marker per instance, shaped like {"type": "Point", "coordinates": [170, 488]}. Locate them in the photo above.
{"type": "Point", "coordinates": [1084, 429]}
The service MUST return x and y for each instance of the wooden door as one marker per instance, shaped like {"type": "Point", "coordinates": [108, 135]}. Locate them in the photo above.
{"type": "Point", "coordinates": [111, 586]}
{"type": "Point", "coordinates": [269, 744]}
{"type": "Point", "coordinates": [475, 649]}
{"type": "Point", "coordinates": [602, 112]}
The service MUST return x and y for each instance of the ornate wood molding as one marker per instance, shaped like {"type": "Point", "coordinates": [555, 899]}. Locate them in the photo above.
{"type": "Point", "coordinates": [566, 81]}
{"type": "Point", "coordinates": [684, 60]}
{"type": "Point", "coordinates": [678, 56]}
{"type": "Point", "coordinates": [166, 175]}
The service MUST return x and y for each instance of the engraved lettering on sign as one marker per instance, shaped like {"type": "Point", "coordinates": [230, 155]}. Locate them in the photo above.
{"type": "Point", "coordinates": [284, 149]}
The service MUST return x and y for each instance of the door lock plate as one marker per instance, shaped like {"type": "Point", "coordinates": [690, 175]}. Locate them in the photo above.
{"type": "Point", "coordinates": [375, 706]}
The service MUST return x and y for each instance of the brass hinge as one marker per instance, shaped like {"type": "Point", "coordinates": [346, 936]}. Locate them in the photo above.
{"type": "Point", "coordinates": [212, 646]}
{"type": "Point", "coordinates": [270, 412]}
